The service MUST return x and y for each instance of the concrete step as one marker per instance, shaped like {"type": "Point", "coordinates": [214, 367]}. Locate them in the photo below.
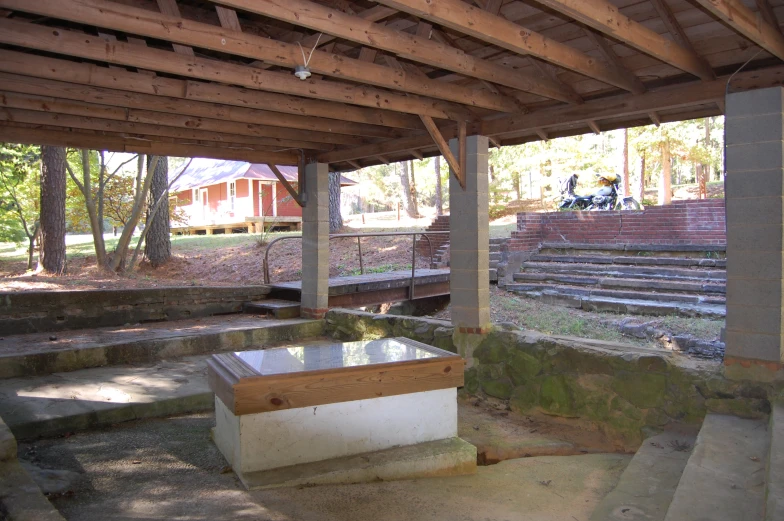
{"type": "Point", "coordinates": [724, 479]}
{"type": "Point", "coordinates": [276, 307]}
{"type": "Point", "coordinates": [448, 457]}
{"type": "Point", "coordinates": [648, 484]}
{"type": "Point", "coordinates": [61, 403]}
{"type": "Point", "coordinates": [45, 353]}
{"type": "Point", "coordinates": [774, 479]}
{"type": "Point", "coordinates": [677, 286]}
{"type": "Point", "coordinates": [669, 248]}
{"type": "Point", "coordinates": [625, 306]}
{"type": "Point", "coordinates": [632, 261]}
{"type": "Point", "coordinates": [583, 291]}
{"type": "Point", "coordinates": [649, 272]}
{"type": "Point", "coordinates": [495, 256]}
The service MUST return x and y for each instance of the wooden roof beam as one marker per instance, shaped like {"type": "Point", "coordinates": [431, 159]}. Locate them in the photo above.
{"type": "Point", "coordinates": [454, 163]}
{"type": "Point", "coordinates": [84, 46]}
{"type": "Point", "coordinates": [139, 21]}
{"type": "Point", "coordinates": [320, 18]}
{"type": "Point", "coordinates": [295, 194]}
{"type": "Point", "coordinates": [625, 106]}
{"type": "Point", "coordinates": [605, 17]}
{"type": "Point", "coordinates": [169, 8]}
{"type": "Point", "coordinates": [275, 136]}
{"type": "Point", "coordinates": [767, 13]}
{"type": "Point", "coordinates": [606, 50]}
{"type": "Point", "coordinates": [11, 132]}
{"type": "Point", "coordinates": [103, 121]}
{"type": "Point", "coordinates": [594, 127]}
{"type": "Point", "coordinates": [173, 97]}
{"type": "Point", "coordinates": [499, 31]}
{"type": "Point", "coordinates": [746, 22]}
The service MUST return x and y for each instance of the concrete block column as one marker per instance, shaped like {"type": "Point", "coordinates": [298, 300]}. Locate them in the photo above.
{"type": "Point", "coordinates": [315, 242]}
{"type": "Point", "coordinates": [755, 231]}
{"type": "Point", "coordinates": [469, 241]}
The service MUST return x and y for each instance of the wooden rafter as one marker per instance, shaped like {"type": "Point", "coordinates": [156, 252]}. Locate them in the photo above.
{"type": "Point", "coordinates": [106, 121]}
{"type": "Point", "coordinates": [605, 17]}
{"type": "Point", "coordinates": [443, 147]}
{"type": "Point", "coordinates": [169, 8]}
{"type": "Point", "coordinates": [627, 106]}
{"type": "Point", "coordinates": [672, 25]}
{"type": "Point", "coordinates": [36, 135]}
{"type": "Point", "coordinates": [295, 194]}
{"type": "Point", "coordinates": [66, 42]}
{"type": "Point", "coordinates": [746, 22]}
{"type": "Point", "coordinates": [767, 13]}
{"type": "Point", "coordinates": [262, 135]}
{"type": "Point", "coordinates": [320, 18]}
{"type": "Point", "coordinates": [490, 28]}
{"type": "Point", "coordinates": [164, 102]}
{"type": "Point", "coordinates": [111, 15]}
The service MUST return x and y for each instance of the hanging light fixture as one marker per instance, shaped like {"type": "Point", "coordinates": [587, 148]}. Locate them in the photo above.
{"type": "Point", "coordinates": [303, 71]}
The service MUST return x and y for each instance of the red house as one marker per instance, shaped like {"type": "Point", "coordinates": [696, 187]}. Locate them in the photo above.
{"type": "Point", "coordinates": [213, 194]}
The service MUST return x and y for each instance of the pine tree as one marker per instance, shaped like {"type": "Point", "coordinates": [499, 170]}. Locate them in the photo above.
{"type": "Point", "coordinates": [52, 257]}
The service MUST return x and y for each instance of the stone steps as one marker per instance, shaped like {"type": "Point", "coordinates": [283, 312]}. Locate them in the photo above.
{"type": "Point", "coordinates": [638, 283]}
{"type": "Point", "coordinates": [631, 295]}
{"type": "Point", "coordinates": [724, 479]}
{"type": "Point", "coordinates": [648, 484]}
{"type": "Point", "coordinates": [630, 260]}
{"type": "Point", "coordinates": [45, 353]}
{"type": "Point", "coordinates": [647, 272]}
{"type": "Point", "coordinates": [671, 249]}
{"type": "Point", "coordinates": [277, 308]}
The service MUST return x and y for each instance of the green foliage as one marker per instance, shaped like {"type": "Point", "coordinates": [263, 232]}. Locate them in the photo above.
{"type": "Point", "coordinates": [20, 167]}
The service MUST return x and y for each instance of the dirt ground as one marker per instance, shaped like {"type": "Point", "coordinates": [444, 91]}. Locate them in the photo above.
{"type": "Point", "coordinates": [170, 469]}
{"type": "Point", "coordinates": [238, 262]}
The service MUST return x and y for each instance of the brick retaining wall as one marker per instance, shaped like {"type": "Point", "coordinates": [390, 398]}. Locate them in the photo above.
{"type": "Point", "coordinates": [440, 224]}
{"type": "Point", "coordinates": [683, 222]}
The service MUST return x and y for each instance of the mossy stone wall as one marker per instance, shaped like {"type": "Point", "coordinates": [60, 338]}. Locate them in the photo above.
{"type": "Point", "coordinates": [623, 390]}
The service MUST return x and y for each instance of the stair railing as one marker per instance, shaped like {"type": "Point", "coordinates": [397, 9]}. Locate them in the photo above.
{"type": "Point", "coordinates": [359, 247]}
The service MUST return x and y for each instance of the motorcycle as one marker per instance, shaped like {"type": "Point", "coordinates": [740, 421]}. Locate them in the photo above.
{"type": "Point", "coordinates": [607, 197]}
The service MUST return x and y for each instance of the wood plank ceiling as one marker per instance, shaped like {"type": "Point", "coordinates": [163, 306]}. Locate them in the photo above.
{"type": "Point", "coordinates": [390, 80]}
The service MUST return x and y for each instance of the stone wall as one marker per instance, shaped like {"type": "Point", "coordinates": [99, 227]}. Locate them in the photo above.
{"type": "Point", "coordinates": [682, 222]}
{"type": "Point", "coordinates": [620, 389]}
{"type": "Point", "coordinates": [35, 311]}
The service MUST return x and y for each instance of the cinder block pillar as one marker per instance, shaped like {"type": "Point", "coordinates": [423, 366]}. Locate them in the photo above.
{"type": "Point", "coordinates": [755, 260]}
{"type": "Point", "coordinates": [315, 241]}
{"type": "Point", "coordinates": [469, 242]}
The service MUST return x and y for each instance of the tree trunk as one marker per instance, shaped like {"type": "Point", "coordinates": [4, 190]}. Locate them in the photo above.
{"type": "Point", "coordinates": [626, 186]}
{"type": "Point", "coordinates": [408, 204]}
{"type": "Point", "coordinates": [414, 203]}
{"type": "Point", "coordinates": [157, 244]}
{"type": "Point", "coordinates": [121, 251]}
{"type": "Point", "coordinates": [641, 186]}
{"type": "Point", "coordinates": [31, 251]}
{"type": "Point", "coordinates": [335, 219]}
{"type": "Point", "coordinates": [52, 257]}
{"type": "Point", "coordinates": [665, 184]}
{"type": "Point", "coordinates": [439, 200]}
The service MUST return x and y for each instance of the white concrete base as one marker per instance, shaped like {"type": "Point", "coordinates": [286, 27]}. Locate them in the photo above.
{"type": "Point", "coordinates": [450, 457]}
{"type": "Point", "coordinates": [269, 440]}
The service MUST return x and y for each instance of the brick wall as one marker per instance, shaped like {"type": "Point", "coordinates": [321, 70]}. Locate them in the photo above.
{"type": "Point", "coordinates": [682, 222]}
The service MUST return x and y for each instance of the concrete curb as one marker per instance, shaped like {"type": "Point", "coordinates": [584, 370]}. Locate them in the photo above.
{"type": "Point", "coordinates": [152, 350]}
{"type": "Point", "coordinates": [20, 497]}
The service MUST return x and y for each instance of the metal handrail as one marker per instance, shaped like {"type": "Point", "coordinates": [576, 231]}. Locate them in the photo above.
{"type": "Point", "coordinates": [359, 246]}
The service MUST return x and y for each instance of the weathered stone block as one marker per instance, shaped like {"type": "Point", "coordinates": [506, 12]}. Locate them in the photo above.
{"type": "Point", "coordinates": [641, 389]}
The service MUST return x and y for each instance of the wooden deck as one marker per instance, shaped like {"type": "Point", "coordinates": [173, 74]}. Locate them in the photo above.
{"type": "Point", "coordinates": [373, 288]}
{"type": "Point", "coordinates": [249, 225]}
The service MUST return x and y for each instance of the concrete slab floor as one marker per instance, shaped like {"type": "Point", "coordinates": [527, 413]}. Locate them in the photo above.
{"type": "Point", "coordinates": [169, 469]}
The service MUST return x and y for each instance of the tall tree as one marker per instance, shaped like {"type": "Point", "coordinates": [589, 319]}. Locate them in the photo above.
{"type": "Point", "coordinates": [665, 183]}
{"type": "Point", "coordinates": [439, 199]}
{"type": "Point", "coordinates": [52, 257]}
{"type": "Point", "coordinates": [414, 195]}
{"type": "Point", "coordinates": [157, 246]}
{"type": "Point", "coordinates": [408, 200]}
{"type": "Point", "coordinates": [19, 191]}
{"type": "Point", "coordinates": [626, 187]}
{"type": "Point", "coordinates": [335, 219]}
{"type": "Point", "coordinates": [641, 184]}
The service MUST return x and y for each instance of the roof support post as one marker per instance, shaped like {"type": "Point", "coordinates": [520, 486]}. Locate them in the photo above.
{"type": "Point", "coordinates": [469, 244]}
{"type": "Point", "coordinates": [315, 242]}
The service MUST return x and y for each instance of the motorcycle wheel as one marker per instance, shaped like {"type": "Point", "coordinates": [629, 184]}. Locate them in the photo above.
{"type": "Point", "coordinates": [630, 204]}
